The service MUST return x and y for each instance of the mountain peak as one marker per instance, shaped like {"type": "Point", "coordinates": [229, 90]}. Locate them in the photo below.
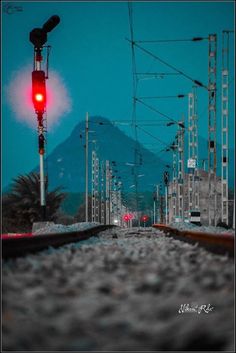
{"type": "Point", "coordinates": [66, 164]}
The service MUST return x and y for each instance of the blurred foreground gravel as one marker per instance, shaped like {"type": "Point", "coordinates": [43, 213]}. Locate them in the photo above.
{"type": "Point", "coordinates": [119, 291]}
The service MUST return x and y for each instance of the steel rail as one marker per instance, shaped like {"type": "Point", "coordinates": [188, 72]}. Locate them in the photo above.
{"type": "Point", "coordinates": [220, 243]}
{"type": "Point", "coordinates": [21, 246]}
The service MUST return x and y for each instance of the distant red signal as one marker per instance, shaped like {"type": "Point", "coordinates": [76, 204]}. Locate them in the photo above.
{"type": "Point", "coordinates": [127, 217]}
{"type": "Point", "coordinates": [144, 218]}
{"type": "Point", "coordinates": [39, 90]}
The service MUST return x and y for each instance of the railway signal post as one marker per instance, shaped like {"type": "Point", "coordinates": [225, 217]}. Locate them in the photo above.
{"type": "Point", "coordinates": [38, 37]}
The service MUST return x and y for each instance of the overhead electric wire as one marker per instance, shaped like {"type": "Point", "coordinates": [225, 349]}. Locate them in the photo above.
{"type": "Point", "coordinates": [141, 123]}
{"type": "Point", "coordinates": [130, 9]}
{"type": "Point", "coordinates": [167, 64]}
{"type": "Point", "coordinates": [157, 111]}
{"type": "Point", "coordinates": [194, 39]}
{"type": "Point", "coordinates": [157, 73]}
{"type": "Point", "coordinates": [133, 61]}
{"type": "Point", "coordinates": [160, 97]}
{"type": "Point", "coordinates": [156, 138]}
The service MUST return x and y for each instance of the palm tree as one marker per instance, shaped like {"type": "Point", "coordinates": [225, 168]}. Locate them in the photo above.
{"type": "Point", "coordinates": [21, 206]}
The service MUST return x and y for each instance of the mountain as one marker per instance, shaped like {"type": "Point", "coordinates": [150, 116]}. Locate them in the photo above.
{"type": "Point", "coordinates": [66, 164]}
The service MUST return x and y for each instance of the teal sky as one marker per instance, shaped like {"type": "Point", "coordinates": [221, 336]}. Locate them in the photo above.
{"type": "Point", "coordinates": [93, 61]}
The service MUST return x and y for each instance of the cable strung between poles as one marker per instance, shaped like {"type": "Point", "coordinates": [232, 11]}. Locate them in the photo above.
{"type": "Point", "coordinates": [157, 111]}
{"type": "Point", "coordinates": [169, 65]}
{"type": "Point", "coordinates": [194, 39]}
{"type": "Point", "coordinates": [156, 138]}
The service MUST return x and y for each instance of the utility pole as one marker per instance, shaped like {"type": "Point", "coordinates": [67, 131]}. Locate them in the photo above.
{"type": "Point", "coordinates": [212, 39]}
{"type": "Point", "coordinates": [102, 193]}
{"type": "Point", "coordinates": [119, 202]}
{"type": "Point", "coordinates": [174, 147]}
{"type": "Point", "coordinates": [157, 204]}
{"type": "Point", "coordinates": [180, 185]}
{"type": "Point", "coordinates": [38, 37]}
{"type": "Point", "coordinates": [224, 127]}
{"type": "Point", "coordinates": [166, 181]}
{"type": "Point", "coordinates": [93, 185]}
{"type": "Point", "coordinates": [107, 201]}
{"type": "Point", "coordinates": [193, 182]}
{"type": "Point", "coordinates": [86, 166]}
{"type": "Point", "coordinates": [154, 208]}
{"type": "Point", "coordinates": [97, 198]}
{"type": "Point", "coordinates": [161, 209]}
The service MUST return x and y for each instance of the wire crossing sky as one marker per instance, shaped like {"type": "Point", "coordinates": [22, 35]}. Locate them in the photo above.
{"type": "Point", "coordinates": [90, 69]}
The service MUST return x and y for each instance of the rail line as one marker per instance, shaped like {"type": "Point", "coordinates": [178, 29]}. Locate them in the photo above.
{"type": "Point", "coordinates": [221, 243]}
{"type": "Point", "coordinates": [23, 245]}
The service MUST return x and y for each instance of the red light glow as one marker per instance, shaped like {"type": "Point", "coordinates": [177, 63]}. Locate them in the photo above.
{"type": "Point", "coordinates": [19, 97]}
{"type": "Point", "coordinates": [127, 217]}
{"type": "Point", "coordinates": [39, 97]}
{"type": "Point", "coordinates": [144, 218]}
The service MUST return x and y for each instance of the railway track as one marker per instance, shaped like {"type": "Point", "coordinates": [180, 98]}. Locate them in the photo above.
{"type": "Point", "coordinates": [220, 243]}
{"type": "Point", "coordinates": [23, 245]}
{"type": "Point", "coordinates": [20, 245]}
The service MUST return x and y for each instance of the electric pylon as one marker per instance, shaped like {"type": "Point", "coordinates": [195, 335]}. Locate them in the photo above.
{"type": "Point", "coordinates": [108, 193]}
{"type": "Point", "coordinates": [95, 187]}
{"type": "Point", "coordinates": [224, 127]}
{"type": "Point", "coordinates": [212, 40]}
{"type": "Point", "coordinates": [102, 192]}
{"type": "Point", "coordinates": [180, 185]}
{"type": "Point", "coordinates": [193, 178]}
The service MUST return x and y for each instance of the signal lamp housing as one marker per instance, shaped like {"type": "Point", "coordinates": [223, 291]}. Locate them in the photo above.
{"type": "Point", "coordinates": [39, 90]}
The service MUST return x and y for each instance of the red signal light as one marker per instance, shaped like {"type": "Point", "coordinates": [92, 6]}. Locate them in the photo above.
{"type": "Point", "coordinates": [144, 218]}
{"type": "Point", "coordinates": [39, 90]}
{"type": "Point", "coordinates": [127, 217]}
{"type": "Point", "coordinates": [39, 97]}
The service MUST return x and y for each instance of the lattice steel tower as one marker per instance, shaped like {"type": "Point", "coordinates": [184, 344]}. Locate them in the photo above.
{"type": "Point", "coordinates": [180, 184]}
{"type": "Point", "coordinates": [224, 127]}
{"type": "Point", "coordinates": [103, 176]}
{"type": "Point", "coordinates": [193, 179]}
{"type": "Point", "coordinates": [108, 192]}
{"type": "Point", "coordinates": [174, 180]}
{"type": "Point", "coordinates": [95, 187]}
{"type": "Point", "coordinates": [212, 51]}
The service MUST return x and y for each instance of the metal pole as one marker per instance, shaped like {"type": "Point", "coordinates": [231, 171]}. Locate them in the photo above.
{"type": "Point", "coordinates": [224, 128]}
{"type": "Point", "coordinates": [166, 193]}
{"type": "Point", "coordinates": [97, 198]}
{"type": "Point", "coordinates": [193, 184]}
{"type": "Point", "coordinates": [174, 193]}
{"type": "Point", "coordinates": [102, 193]}
{"type": "Point", "coordinates": [93, 185]}
{"type": "Point", "coordinates": [212, 128]}
{"type": "Point", "coordinates": [158, 204]}
{"type": "Point", "coordinates": [86, 167]}
{"type": "Point", "coordinates": [107, 185]}
{"type": "Point", "coordinates": [37, 67]}
{"type": "Point", "coordinates": [154, 211]}
{"type": "Point", "coordinates": [180, 185]}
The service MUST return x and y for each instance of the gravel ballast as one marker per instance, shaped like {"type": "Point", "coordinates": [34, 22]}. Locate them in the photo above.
{"type": "Point", "coordinates": [119, 291]}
